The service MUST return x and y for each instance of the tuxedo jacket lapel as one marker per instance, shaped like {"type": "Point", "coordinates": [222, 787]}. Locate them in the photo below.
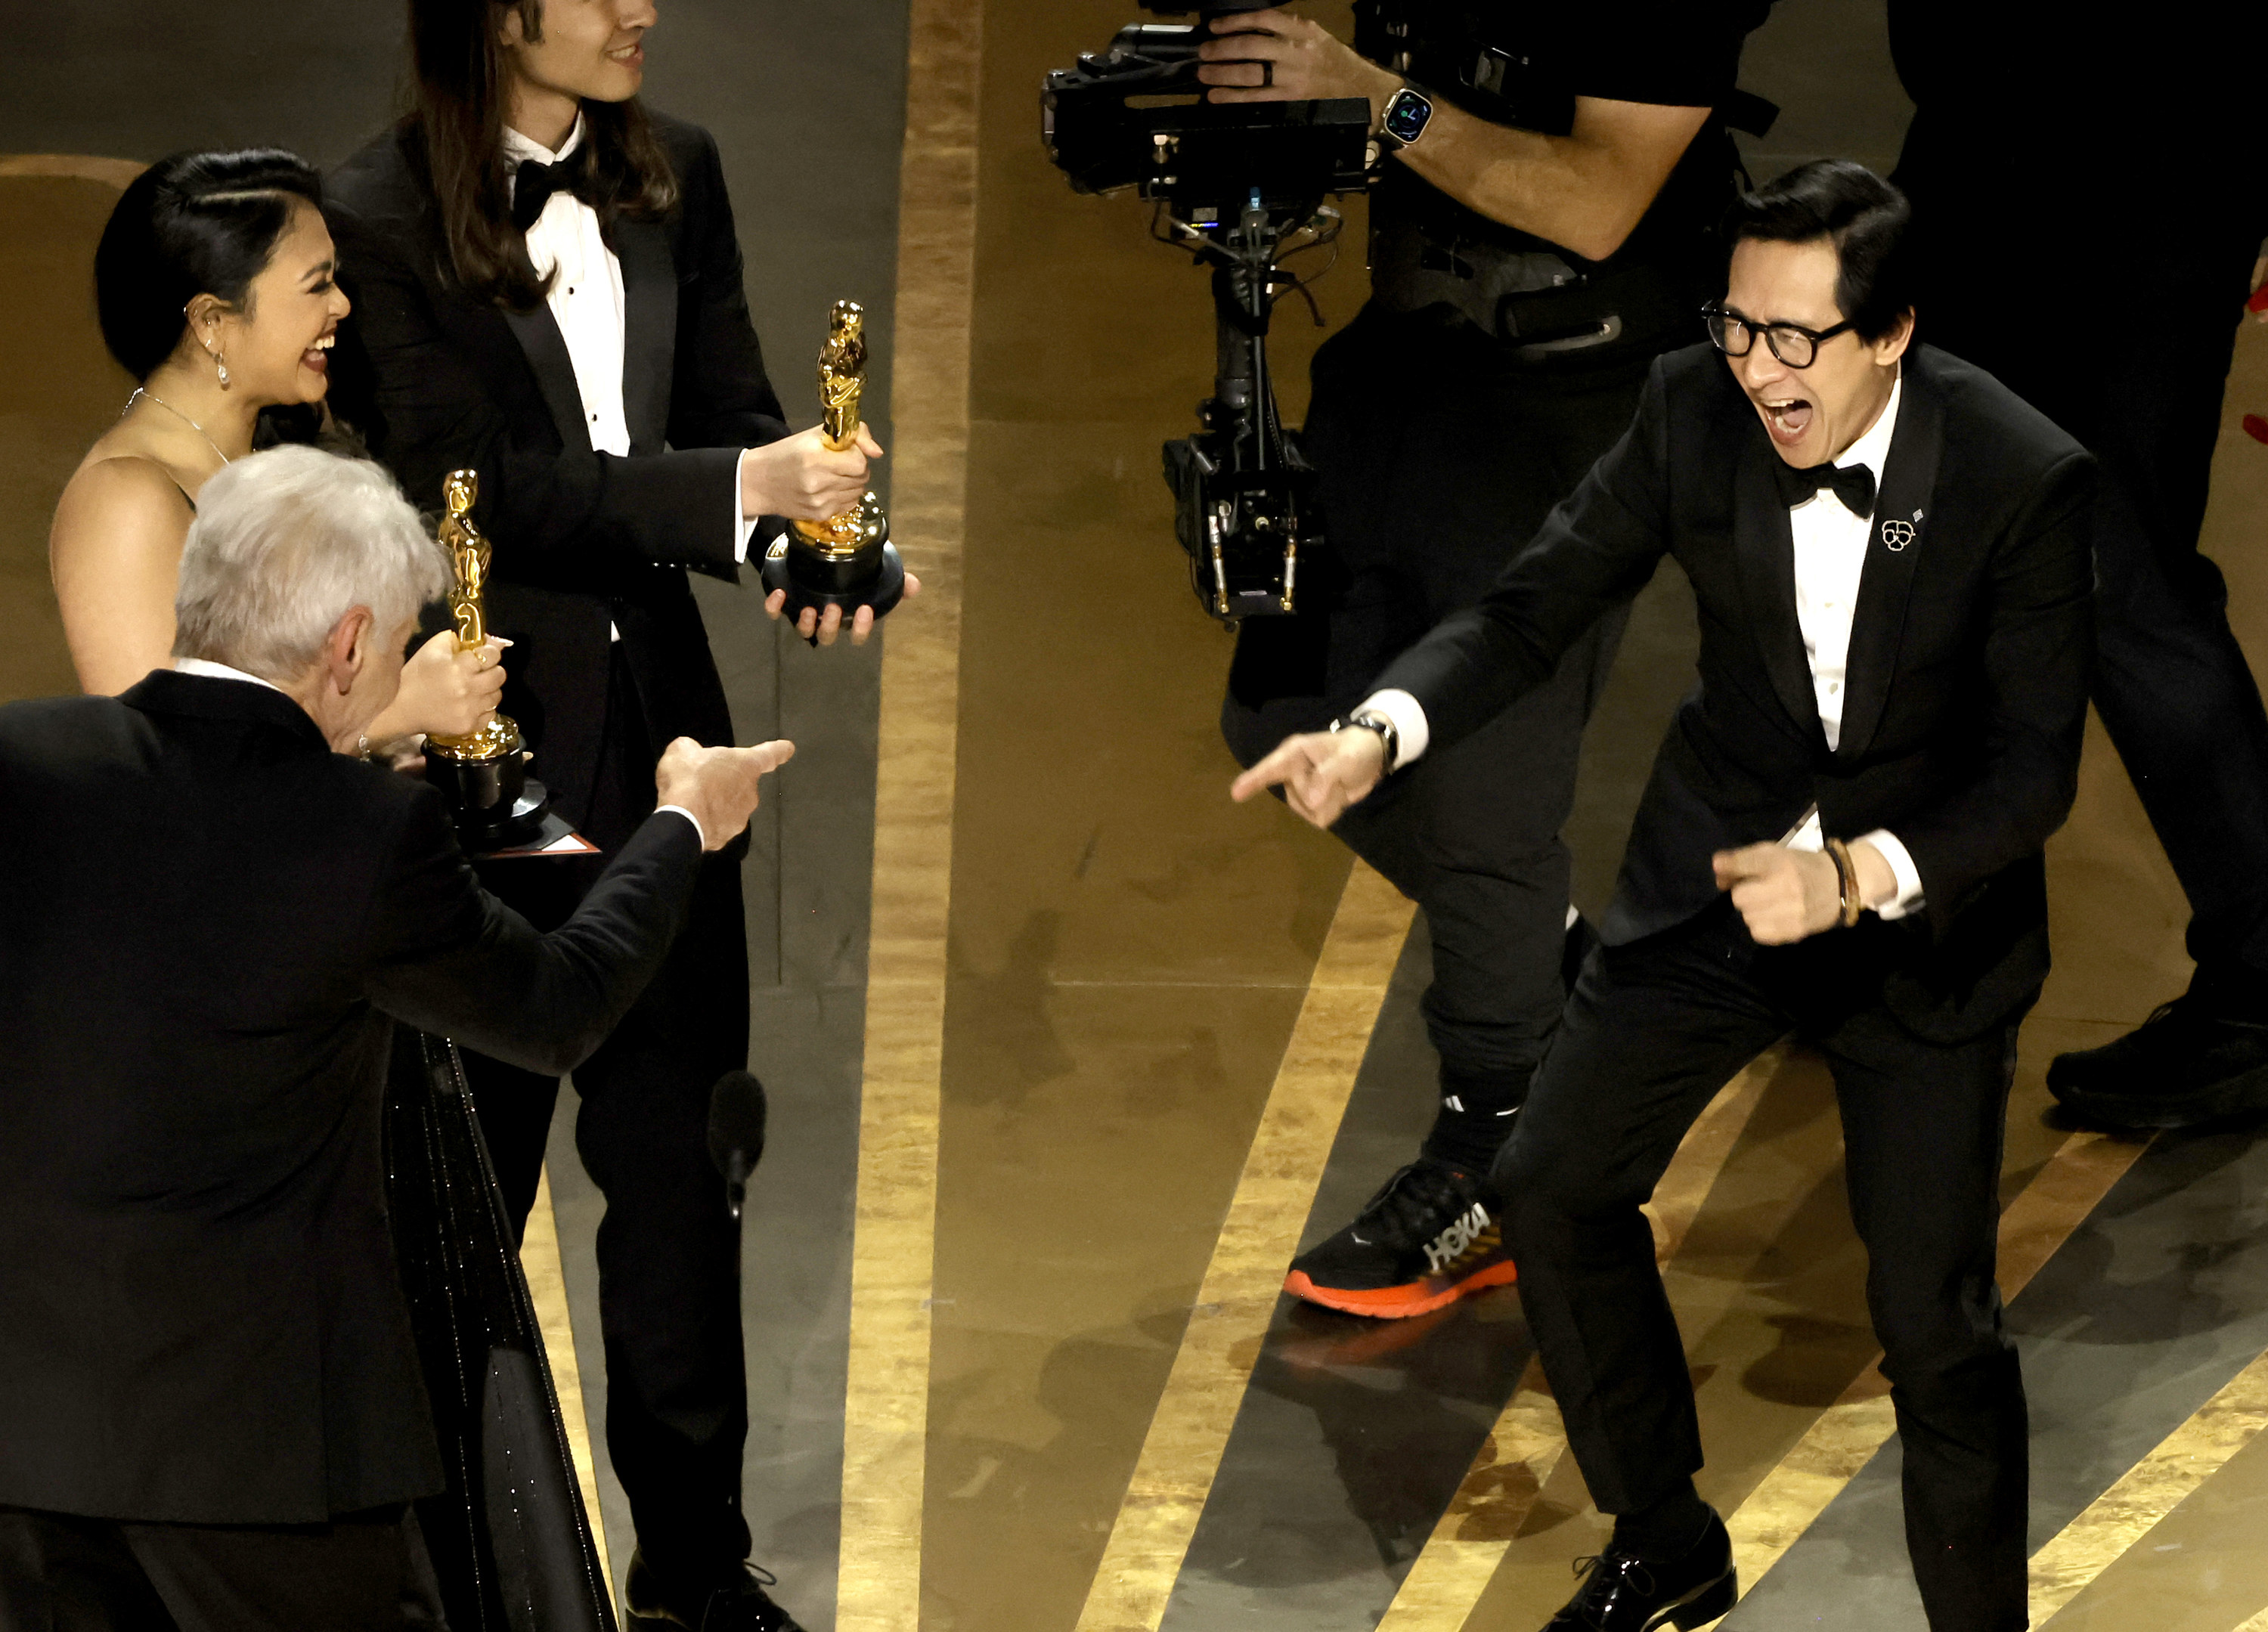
{"type": "Point", "coordinates": [539, 336]}
{"type": "Point", "coordinates": [1895, 539]}
{"type": "Point", "coordinates": [1766, 548]}
{"type": "Point", "coordinates": [648, 329]}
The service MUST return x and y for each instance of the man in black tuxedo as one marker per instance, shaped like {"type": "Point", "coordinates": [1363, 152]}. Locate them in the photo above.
{"type": "Point", "coordinates": [1888, 552]}
{"type": "Point", "coordinates": [547, 290]}
{"type": "Point", "coordinates": [212, 1413]}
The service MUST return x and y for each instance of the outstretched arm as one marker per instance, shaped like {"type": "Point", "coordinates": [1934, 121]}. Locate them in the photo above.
{"type": "Point", "coordinates": [1596, 550]}
{"type": "Point", "coordinates": [455, 960]}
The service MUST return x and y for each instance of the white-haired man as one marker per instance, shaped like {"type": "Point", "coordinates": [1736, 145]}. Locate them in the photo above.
{"type": "Point", "coordinates": [211, 1411]}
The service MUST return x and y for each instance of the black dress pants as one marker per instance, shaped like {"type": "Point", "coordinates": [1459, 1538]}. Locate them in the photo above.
{"type": "Point", "coordinates": [669, 1295]}
{"type": "Point", "coordinates": [1440, 454]}
{"type": "Point", "coordinates": [2142, 389]}
{"type": "Point", "coordinates": [1653, 1031]}
{"type": "Point", "coordinates": [364, 1573]}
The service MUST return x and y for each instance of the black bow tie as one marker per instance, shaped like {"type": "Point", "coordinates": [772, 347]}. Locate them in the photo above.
{"type": "Point", "coordinates": [534, 185]}
{"type": "Point", "coordinates": [1853, 484]}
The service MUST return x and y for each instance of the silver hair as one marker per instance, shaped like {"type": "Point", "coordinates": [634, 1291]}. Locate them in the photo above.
{"type": "Point", "coordinates": [284, 544]}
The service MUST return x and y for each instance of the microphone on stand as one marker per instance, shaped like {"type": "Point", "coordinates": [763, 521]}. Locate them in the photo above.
{"type": "Point", "coordinates": [736, 1134]}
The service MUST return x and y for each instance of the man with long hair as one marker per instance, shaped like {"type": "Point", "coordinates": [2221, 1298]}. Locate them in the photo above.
{"type": "Point", "coordinates": [549, 291]}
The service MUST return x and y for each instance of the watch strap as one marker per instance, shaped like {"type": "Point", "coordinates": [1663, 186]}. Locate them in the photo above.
{"type": "Point", "coordinates": [1371, 720]}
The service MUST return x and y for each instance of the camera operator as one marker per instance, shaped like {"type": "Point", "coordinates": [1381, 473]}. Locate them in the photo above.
{"type": "Point", "coordinates": [1539, 234]}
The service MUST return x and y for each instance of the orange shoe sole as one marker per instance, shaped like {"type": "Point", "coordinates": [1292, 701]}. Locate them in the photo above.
{"type": "Point", "coordinates": [1399, 1303]}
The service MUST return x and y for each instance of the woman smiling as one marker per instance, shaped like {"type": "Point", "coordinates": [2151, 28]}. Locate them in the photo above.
{"type": "Point", "coordinates": [215, 284]}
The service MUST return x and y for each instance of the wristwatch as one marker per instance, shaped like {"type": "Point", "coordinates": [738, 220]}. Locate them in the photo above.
{"type": "Point", "coordinates": [1408, 112]}
{"type": "Point", "coordinates": [1371, 720]}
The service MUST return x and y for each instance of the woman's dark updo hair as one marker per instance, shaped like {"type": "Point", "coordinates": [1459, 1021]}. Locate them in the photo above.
{"type": "Point", "coordinates": [196, 224]}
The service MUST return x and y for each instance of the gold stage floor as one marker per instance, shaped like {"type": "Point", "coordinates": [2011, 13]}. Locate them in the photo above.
{"type": "Point", "coordinates": [1120, 1035]}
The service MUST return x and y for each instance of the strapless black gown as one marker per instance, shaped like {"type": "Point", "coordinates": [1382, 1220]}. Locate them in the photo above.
{"type": "Point", "coordinates": [509, 1538]}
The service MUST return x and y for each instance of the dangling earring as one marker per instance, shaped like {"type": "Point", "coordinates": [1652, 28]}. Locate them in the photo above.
{"type": "Point", "coordinates": [221, 363]}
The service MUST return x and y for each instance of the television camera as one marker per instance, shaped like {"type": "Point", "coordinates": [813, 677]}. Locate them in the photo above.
{"type": "Point", "coordinates": [1242, 187]}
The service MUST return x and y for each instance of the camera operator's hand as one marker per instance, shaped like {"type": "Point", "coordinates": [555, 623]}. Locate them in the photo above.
{"type": "Point", "coordinates": [1320, 772]}
{"type": "Point", "coordinates": [812, 626]}
{"type": "Point", "coordinates": [801, 477]}
{"type": "Point", "coordinates": [1273, 56]}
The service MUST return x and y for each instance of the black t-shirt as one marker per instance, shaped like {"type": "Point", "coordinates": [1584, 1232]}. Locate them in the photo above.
{"type": "Point", "coordinates": [1523, 62]}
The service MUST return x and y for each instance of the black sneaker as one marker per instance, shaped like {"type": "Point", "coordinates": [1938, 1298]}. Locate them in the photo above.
{"type": "Point", "coordinates": [1625, 1592]}
{"type": "Point", "coordinates": [1426, 1239]}
{"type": "Point", "coordinates": [738, 1604]}
{"type": "Point", "coordinates": [2191, 1062]}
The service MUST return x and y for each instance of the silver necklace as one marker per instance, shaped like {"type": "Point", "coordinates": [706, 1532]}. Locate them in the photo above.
{"type": "Point", "coordinates": [144, 391]}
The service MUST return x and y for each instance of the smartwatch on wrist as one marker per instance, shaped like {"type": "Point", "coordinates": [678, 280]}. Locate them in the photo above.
{"type": "Point", "coordinates": [1408, 112]}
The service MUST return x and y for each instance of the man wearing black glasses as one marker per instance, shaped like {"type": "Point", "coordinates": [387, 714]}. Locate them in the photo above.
{"type": "Point", "coordinates": [1842, 841]}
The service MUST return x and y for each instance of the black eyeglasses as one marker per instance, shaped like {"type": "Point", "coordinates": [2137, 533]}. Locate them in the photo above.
{"type": "Point", "coordinates": [1791, 343]}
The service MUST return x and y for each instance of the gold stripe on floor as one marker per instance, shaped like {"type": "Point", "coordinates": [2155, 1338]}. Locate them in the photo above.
{"type": "Point", "coordinates": [1523, 1450]}
{"type": "Point", "coordinates": [547, 1285]}
{"type": "Point", "coordinates": [2149, 1491]}
{"type": "Point", "coordinates": [1189, 1429]}
{"type": "Point", "coordinates": [1848, 1433]}
{"type": "Point", "coordinates": [886, 1404]}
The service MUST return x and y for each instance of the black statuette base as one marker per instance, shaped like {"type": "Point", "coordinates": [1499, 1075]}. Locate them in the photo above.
{"type": "Point", "coordinates": [495, 803]}
{"type": "Point", "coordinates": [811, 579]}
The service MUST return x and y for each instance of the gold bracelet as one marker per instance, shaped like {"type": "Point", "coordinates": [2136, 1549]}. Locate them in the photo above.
{"type": "Point", "coordinates": [1846, 883]}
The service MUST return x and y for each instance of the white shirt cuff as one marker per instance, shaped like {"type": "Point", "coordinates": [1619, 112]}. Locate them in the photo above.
{"type": "Point", "coordinates": [1909, 896]}
{"type": "Point", "coordinates": [744, 526]}
{"type": "Point", "coordinates": [1410, 731]}
{"type": "Point", "coordinates": [698, 831]}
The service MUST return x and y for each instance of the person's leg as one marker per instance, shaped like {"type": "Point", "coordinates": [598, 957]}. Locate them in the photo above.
{"type": "Point", "coordinates": [1427, 492]}
{"type": "Point", "coordinates": [2171, 682]}
{"type": "Point", "coordinates": [669, 1295]}
{"type": "Point", "coordinates": [1651, 1033]}
{"type": "Point", "coordinates": [64, 1574]}
{"type": "Point", "coordinates": [363, 1572]}
{"type": "Point", "coordinates": [1923, 1126]}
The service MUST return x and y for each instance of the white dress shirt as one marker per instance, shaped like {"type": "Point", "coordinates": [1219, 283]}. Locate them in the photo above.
{"type": "Point", "coordinates": [210, 670]}
{"type": "Point", "coordinates": [587, 303]}
{"type": "Point", "coordinates": [1830, 555]}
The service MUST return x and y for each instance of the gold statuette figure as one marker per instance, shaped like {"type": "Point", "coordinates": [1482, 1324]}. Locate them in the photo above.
{"type": "Point", "coordinates": [846, 561]}
{"type": "Point", "coordinates": [482, 775]}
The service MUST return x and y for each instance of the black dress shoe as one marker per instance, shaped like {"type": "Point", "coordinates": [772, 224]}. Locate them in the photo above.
{"type": "Point", "coordinates": [1625, 1592]}
{"type": "Point", "coordinates": [738, 1603]}
{"type": "Point", "coordinates": [2197, 1059]}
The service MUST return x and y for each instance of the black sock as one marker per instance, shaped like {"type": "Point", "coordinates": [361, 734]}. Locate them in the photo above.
{"type": "Point", "coordinates": [1475, 1117]}
{"type": "Point", "coordinates": [1668, 1527]}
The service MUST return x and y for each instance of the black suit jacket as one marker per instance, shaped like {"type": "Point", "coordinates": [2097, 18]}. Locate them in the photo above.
{"type": "Point", "coordinates": [206, 919]}
{"type": "Point", "coordinates": [1966, 694]}
{"type": "Point", "coordinates": [439, 381]}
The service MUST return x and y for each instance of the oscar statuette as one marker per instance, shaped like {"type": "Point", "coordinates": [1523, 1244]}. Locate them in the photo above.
{"type": "Point", "coordinates": [848, 560]}
{"type": "Point", "coordinates": [483, 775]}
